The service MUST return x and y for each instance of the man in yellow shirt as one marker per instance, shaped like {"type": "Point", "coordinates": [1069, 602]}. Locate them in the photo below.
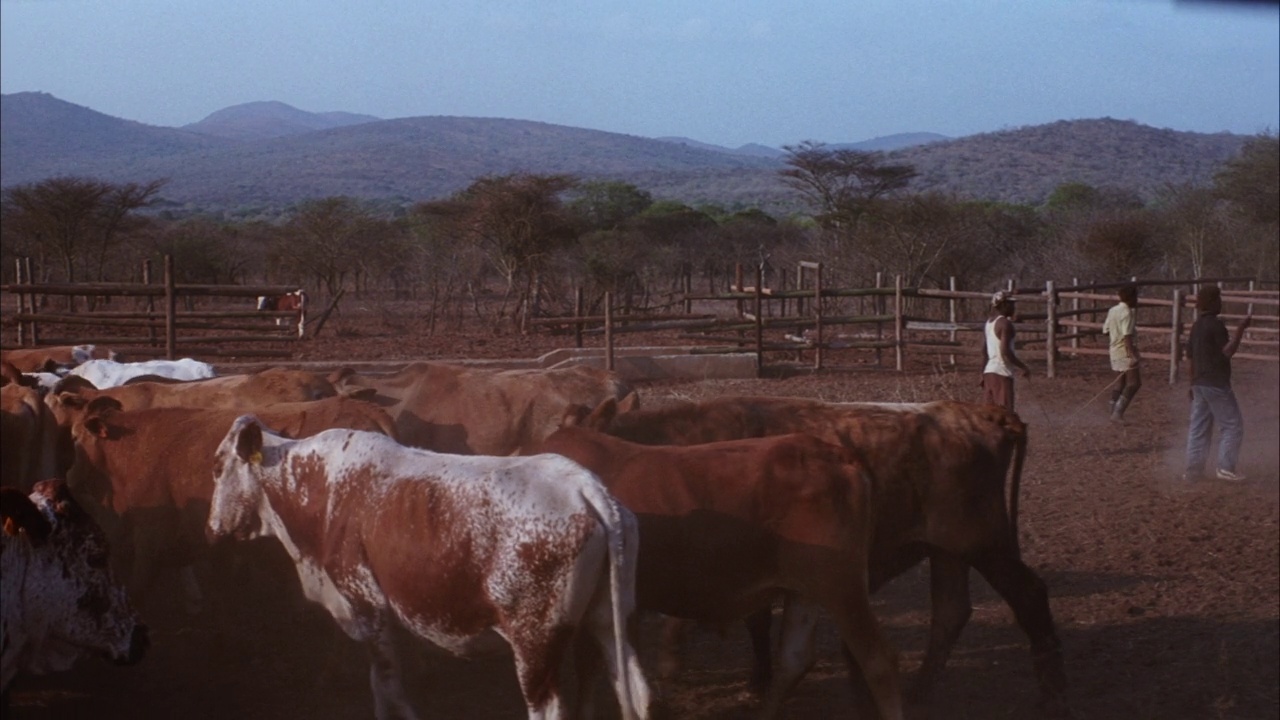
{"type": "Point", "coordinates": [1121, 326]}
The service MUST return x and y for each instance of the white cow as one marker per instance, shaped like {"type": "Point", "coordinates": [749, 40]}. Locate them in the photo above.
{"type": "Point", "coordinates": [109, 373]}
{"type": "Point", "coordinates": [58, 599]}
{"type": "Point", "coordinates": [451, 548]}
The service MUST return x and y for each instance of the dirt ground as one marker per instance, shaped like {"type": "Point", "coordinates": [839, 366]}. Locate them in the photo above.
{"type": "Point", "coordinates": [1165, 595]}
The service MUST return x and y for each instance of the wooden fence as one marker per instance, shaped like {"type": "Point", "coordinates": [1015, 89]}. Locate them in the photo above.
{"type": "Point", "coordinates": [148, 330]}
{"type": "Point", "coordinates": [906, 320]}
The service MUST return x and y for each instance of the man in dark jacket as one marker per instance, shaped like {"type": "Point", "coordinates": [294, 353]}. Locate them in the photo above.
{"type": "Point", "coordinates": [1209, 349]}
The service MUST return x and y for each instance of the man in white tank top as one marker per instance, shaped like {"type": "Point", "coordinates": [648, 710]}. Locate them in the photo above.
{"type": "Point", "coordinates": [998, 357]}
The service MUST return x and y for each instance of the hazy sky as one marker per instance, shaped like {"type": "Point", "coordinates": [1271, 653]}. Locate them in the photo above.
{"type": "Point", "coordinates": [721, 71]}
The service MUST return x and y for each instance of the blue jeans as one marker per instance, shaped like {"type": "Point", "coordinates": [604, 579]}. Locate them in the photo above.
{"type": "Point", "coordinates": [1207, 405]}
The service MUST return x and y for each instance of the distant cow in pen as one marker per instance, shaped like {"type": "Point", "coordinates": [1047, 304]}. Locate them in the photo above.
{"type": "Point", "coordinates": [295, 302]}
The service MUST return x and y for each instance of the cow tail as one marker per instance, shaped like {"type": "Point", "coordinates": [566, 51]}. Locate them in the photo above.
{"type": "Point", "coordinates": [1015, 485]}
{"type": "Point", "coordinates": [623, 536]}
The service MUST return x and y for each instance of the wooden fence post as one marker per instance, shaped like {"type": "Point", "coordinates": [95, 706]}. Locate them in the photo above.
{"type": "Point", "coordinates": [951, 316]}
{"type": "Point", "coordinates": [32, 301]}
{"type": "Point", "coordinates": [897, 320]}
{"type": "Point", "coordinates": [1075, 305]}
{"type": "Point", "coordinates": [1051, 327]}
{"type": "Point", "coordinates": [759, 310]}
{"type": "Point", "coordinates": [22, 299]}
{"type": "Point", "coordinates": [577, 315]}
{"type": "Point", "coordinates": [608, 331]}
{"type": "Point", "coordinates": [1175, 343]}
{"type": "Point", "coordinates": [879, 306]}
{"type": "Point", "coordinates": [817, 305]}
{"type": "Point", "coordinates": [151, 302]}
{"type": "Point", "coordinates": [170, 311]}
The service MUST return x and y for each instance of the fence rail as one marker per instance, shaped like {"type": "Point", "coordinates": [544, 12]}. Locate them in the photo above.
{"type": "Point", "coordinates": [159, 326]}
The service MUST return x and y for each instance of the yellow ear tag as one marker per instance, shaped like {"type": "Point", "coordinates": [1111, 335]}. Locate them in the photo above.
{"type": "Point", "coordinates": [256, 457]}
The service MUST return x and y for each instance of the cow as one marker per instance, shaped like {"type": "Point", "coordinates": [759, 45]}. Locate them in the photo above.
{"type": "Point", "coordinates": [726, 528]}
{"type": "Point", "coordinates": [109, 373]}
{"type": "Point", "coordinates": [295, 302]}
{"type": "Point", "coordinates": [941, 467]}
{"type": "Point", "coordinates": [476, 411]}
{"type": "Point", "coordinates": [31, 446]}
{"type": "Point", "coordinates": [147, 474]}
{"type": "Point", "coordinates": [450, 548]}
{"type": "Point", "coordinates": [57, 598]}
{"type": "Point", "coordinates": [54, 359]}
{"type": "Point", "coordinates": [231, 392]}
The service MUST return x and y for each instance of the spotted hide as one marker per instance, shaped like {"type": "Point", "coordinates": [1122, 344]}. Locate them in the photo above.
{"type": "Point", "coordinates": [450, 548]}
{"type": "Point", "coordinates": [941, 468]}
{"type": "Point", "coordinates": [479, 411]}
{"type": "Point", "coordinates": [727, 528]}
{"type": "Point", "coordinates": [57, 599]}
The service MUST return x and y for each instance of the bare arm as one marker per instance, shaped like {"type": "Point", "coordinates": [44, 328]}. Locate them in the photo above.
{"type": "Point", "coordinates": [1004, 331]}
{"type": "Point", "coordinates": [1234, 344]}
{"type": "Point", "coordinates": [1132, 348]}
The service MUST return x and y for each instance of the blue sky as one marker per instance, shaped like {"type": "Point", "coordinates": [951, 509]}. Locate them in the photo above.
{"type": "Point", "coordinates": [724, 71]}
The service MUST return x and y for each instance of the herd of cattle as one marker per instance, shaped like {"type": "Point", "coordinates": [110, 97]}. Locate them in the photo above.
{"type": "Point", "coordinates": [541, 507]}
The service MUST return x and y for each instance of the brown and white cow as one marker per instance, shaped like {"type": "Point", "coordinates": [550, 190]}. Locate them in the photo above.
{"type": "Point", "coordinates": [31, 446]}
{"type": "Point", "coordinates": [450, 548]}
{"type": "Point", "coordinates": [230, 392]}
{"type": "Point", "coordinates": [294, 302]}
{"type": "Point", "coordinates": [57, 598]}
{"type": "Point", "coordinates": [941, 469]}
{"type": "Point", "coordinates": [147, 474]}
{"type": "Point", "coordinates": [478, 411]}
{"type": "Point", "coordinates": [727, 528]}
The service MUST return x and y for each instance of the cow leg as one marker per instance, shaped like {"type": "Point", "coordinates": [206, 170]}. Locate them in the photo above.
{"type": "Point", "coordinates": [671, 641]}
{"type": "Point", "coordinates": [1028, 597]}
{"type": "Point", "coordinates": [761, 665]}
{"type": "Point", "coordinates": [387, 678]}
{"type": "Point", "coordinates": [952, 607]}
{"type": "Point", "coordinates": [796, 652]}
{"type": "Point", "coordinates": [628, 682]}
{"type": "Point", "coordinates": [876, 658]}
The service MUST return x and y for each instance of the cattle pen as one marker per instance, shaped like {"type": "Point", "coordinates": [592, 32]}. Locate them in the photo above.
{"type": "Point", "coordinates": [169, 330]}
{"type": "Point", "coordinates": [899, 319]}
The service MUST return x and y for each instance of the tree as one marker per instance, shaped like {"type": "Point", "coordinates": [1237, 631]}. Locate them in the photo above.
{"type": "Point", "coordinates": [606, 204]}
{"type": "Point", "coordinates": [1251, 180]}
{"type": "Point", "coordinates": [327, 239]}
{"type": "Point", "coordinates": [840, 184]}
{"type": "Point", "coordinates": [516, 220]}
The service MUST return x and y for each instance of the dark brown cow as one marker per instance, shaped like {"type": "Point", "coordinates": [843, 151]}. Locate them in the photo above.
{"type": "Point", "coordinates": [148, 474]}
{"type": "Point", "coordinates": [727, 528]}
{"type": "Point", "coordinates": [31, 446]}
{"type": "Point", "coordinates": [477, 411]}
{"type": "Point", "coordinates": [941, 470]}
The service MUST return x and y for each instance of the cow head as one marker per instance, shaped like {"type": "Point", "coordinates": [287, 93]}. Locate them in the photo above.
{"type": "Point", "coordinates": [68, 599]}
{"type": "Point", "coordinates": [601, 417]}
{"type": "Point", "coordinates": [237, 480]}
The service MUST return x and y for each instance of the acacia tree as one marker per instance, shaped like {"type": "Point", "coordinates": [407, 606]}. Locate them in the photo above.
{"type": "Point", "coordinates": [1251, 180]}
{"type": "Point", "coordinates": [518, 221]}
{"type": "Point", "coordinates": [840, 184]}
{"type": "Point", "coordinates": [79, 221]}
{"type": "Point", "coordinates": [327, 239]}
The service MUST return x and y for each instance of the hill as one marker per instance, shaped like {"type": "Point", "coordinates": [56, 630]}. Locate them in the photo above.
{"type": "Point", "coordinates": [418, 158]}
{"type": "Point", "coordinates": [260, 120]}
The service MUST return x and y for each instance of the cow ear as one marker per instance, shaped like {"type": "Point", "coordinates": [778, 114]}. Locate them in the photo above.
{"type": "Point", "coordinates": [630, 403]}
{"type": "Point", "coordinates": [249, 443]}
{"type": "Point", "coordinates": [603, 415]}
{"type": "Point", "coordinates": [573, 416]}
{"type": "Point", "coordinates": [337, 377]}
{"type": "Point", "coordinates": [102, 405]}
{"type": "Point", "coordinates": [97, 427]}
{"type": "Point", "coordinates": [22, 515]}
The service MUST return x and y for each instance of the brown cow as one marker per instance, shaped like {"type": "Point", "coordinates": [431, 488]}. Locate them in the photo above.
{"type": "Point", "coordinates": [31, 446]}
{"type": "Point", "coordinates": [726, 528]}
{"type": "Point", "coordinates": [474, 411]}
{"type": "Point", "coordinates": [941, 469]}
{"type": "Point", "coordinates": [51, 359]}
{"type": "Point", "coordinates": [148, 474]}
{"type": "Point", "coordinates": [229, 392]}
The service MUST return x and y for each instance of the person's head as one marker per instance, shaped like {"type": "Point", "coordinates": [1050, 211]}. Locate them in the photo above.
{"type": "Point", "coordinates": [1129, 295]}
{"type": "Point", "coordinates": [1209, 299]}
{"type": "Point", "coordinates": [1002, 301]}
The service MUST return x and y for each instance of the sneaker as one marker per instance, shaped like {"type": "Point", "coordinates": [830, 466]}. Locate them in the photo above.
{"type": "Point", "coordinates": [1228, 475]}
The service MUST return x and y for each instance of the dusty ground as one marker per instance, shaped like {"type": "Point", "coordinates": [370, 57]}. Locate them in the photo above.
{"type": "Point", "coordinates": [1166, 596]}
